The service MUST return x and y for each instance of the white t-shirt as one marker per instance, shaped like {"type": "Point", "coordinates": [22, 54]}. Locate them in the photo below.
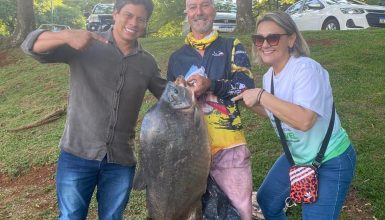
{"type": "Point", "coordinates": [305, 82]}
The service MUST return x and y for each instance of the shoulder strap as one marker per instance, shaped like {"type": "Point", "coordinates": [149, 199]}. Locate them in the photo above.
{"type": "Point", "coordinates": [282, 137]}
{"type": "Point", "coordinates": [318, 160]}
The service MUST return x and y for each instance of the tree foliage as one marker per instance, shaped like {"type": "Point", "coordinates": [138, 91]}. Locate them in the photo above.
{"type": "Point", "coordinates": [7, 17]}
{"type": "Point", "coordinates": [67, 12]}
{"type": "Point", "coordinates": [262, 6]}
{"type": "Point", "coordinates": [25, 22]}
{"type": "Point", "coordinates": [62, 12]}
{"type": "Point", "coordinates": [167, 13]}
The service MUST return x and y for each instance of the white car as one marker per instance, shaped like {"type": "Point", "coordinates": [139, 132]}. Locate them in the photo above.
{"type": "Point", "coordinates": [336, 15]}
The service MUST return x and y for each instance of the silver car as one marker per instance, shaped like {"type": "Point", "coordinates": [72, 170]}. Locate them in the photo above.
{"type": "Point", "coordinates": [225, 22]}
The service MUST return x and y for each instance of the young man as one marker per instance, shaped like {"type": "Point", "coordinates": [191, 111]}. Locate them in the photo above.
{"type": "Point", "coordinates": [110, 73]}
{"type": "Point", "coordinates": [219, 69]}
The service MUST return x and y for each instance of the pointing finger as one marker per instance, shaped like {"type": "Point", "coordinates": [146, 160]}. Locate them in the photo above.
{"type": "Point", "coordinates": [237, 98]}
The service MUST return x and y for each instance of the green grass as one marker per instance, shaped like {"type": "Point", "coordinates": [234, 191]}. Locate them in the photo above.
{"type": "Point", "coordinates": [355, 61]}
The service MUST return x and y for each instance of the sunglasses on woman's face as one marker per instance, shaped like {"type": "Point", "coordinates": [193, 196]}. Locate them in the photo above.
{"type": "Point", "coordinates": [272, 39]}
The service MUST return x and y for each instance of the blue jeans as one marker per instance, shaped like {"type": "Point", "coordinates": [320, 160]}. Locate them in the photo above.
{"type": "Point", "coordinates": [76, 179]}
{"type": "Point", "coordinates": [334, 178]}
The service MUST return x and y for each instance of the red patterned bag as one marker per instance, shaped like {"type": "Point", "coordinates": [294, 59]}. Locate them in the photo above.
{"type": "Point", "coordinates": [303, 184]}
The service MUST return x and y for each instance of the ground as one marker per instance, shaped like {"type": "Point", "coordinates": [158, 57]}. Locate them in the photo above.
{"type": "Point", "coordinates": [5, 59]}
{"type": "Point", "coordinates": [22, 197]}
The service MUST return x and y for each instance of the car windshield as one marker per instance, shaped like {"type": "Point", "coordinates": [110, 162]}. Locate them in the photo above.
{"type": "Point", "coordinates": [344, 2]}
{"type": "Point", "coordinates": [103, 9]}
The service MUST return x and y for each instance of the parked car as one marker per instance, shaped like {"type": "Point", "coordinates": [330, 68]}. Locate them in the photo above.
{"type": "Point", "coordinates": [100, 19]}
{"type": "Point", "coordinates": [336, 15]}
{"type": "Point", "coordinates": [54, 27]}
{"type": "Point", "coordinates": [225, 22]}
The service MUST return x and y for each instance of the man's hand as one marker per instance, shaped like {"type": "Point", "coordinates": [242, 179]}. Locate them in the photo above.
{"type": "Point", "coordinates": [80, 39]}
{"type": "Point", "coordinates": [77, 39]}
{"type": "Point", "coordinates": [200, 84]}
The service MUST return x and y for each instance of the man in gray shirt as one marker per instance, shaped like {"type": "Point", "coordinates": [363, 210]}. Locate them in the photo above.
{"type": "Point", "coordinates": [109, 75]}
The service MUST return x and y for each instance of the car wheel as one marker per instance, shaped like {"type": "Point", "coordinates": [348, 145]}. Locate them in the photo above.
{"type": "Point", "coordinates": [331, 24]}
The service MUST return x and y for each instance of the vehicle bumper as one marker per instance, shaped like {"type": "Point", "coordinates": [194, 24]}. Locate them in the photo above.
{"type": "Point", "coordinates": [354, 22]}
{"type": "Point", "coordinates": [224, 28]}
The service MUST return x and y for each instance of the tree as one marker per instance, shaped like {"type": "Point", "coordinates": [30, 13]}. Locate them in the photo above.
{"type": "Point", "coordinates": [245, 19]}
{"type": "Point", "coordinates": [25, 23]}
{"type": "Point", "coordinates": [167, 13]}
{"type": "Point", "coordinates": [62, 12]}
{"type": "Point", "coordinates": [7, 16]}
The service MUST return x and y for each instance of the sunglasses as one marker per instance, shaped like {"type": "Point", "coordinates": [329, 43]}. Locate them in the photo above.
{"type": "Point", "coordinates": [272, 39]}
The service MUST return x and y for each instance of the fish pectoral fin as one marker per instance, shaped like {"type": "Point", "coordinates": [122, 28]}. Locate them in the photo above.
{"type": "Point", "coordinates": [139, 183]}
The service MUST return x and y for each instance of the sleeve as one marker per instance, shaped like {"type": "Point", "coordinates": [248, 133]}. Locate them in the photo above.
{"type": "Point", "coordinates": [61, 54]}
{"type": "Point", "coordinates": [157, 83]}
{"type": "Point", "coordinates": [170, 69]}
{"type": "Point", "coordinates": [310, 88]}
{"type": "Point", "coordinates": [240, 78]}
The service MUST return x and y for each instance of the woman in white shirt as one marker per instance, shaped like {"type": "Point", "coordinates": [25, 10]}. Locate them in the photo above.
{"type": "Point", "coordinates": [303, 102]}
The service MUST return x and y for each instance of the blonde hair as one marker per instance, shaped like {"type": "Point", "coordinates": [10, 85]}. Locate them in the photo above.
{"type": "Point", "coordinates": [284, 20]}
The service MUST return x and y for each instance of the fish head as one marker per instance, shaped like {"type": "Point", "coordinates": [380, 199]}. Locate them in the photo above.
{"type": "Point", "coordinates": [178, 96]}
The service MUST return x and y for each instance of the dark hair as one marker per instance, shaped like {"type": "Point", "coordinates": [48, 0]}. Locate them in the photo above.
{"type": "Point", "coordinates": [148, 4]}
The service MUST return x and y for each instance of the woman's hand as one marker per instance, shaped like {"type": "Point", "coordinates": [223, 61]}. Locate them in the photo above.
{"type": "Point", "coordinates": [250, 97]}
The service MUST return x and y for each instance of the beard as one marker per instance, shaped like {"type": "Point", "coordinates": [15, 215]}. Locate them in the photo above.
{"type": "Point", "coordinates": [201, 24]}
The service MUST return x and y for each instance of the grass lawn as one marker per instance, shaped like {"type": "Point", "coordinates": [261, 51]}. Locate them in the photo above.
{"type": "Point", "coordinates": [30, 91]}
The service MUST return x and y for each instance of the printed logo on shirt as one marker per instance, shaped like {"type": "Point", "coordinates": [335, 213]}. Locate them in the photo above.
{"type": "Point", "coordinates": [218, 53]}
{"type": "Point", "coordinates": [240, 52]}
{"type": "Point", "coordinates": [290, 136]}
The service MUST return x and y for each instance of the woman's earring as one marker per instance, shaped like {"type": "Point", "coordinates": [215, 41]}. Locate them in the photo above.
{"type": "Point", "coordinates": [291, 49]}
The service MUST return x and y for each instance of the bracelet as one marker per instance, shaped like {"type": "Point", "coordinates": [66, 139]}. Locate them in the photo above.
{"type": "Point", "coordinates": [259, 96]}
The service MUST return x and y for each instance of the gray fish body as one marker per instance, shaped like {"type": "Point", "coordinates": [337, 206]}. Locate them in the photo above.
{"type": "Point", "coordinates": [175, 156]}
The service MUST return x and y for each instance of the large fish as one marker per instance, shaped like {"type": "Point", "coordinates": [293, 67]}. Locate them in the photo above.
{"type": "Point", "coordinates": [175, 156]}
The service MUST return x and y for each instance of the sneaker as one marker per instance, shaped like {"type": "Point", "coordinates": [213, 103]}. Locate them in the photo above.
{"type": "Point", "coordinates": [256, 210]}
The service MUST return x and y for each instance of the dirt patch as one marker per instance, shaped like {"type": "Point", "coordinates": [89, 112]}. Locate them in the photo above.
{"type": "Point", "coordinates": [6, 58]}
{"type": "Point", "coordinates": [357, 208]}
{"type": "Point", "coordinates": [32, 196]}
{"type": "Point", "coordinates": [37, 176]}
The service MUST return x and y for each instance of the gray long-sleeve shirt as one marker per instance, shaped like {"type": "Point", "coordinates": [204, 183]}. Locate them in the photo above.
{"type": "Point", "coordinates": [105, 96]}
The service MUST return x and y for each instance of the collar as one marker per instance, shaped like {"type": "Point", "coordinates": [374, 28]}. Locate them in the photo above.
{"type": "Point", "coordinates": [201, 44]}
{"type": "Point", "coordinates": [110, 38]}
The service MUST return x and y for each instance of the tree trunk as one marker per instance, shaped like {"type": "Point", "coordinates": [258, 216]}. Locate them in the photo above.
{"type": "Point", "coordinates": [25, 23]}
{"type": "Point", "coordinates": [245, 19]}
